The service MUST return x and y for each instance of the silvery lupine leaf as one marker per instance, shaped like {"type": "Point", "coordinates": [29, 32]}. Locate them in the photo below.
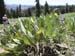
{"type": "Point", "coordinates": [16, 41]}
{"type": "Point", "coordinates": [22, 27]}
{"type": "Point", "coordinates": [29, 34]}
{"type": "Point", "coordinates": [10, 45]}
{"type": "Point", "coordinates": [36, 28]}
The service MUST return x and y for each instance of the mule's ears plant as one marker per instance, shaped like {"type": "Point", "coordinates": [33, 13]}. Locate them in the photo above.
{"type": "Point", "coordinates": [30, 31]}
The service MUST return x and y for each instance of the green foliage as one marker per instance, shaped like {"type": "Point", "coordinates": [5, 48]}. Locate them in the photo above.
{"type": "Point", "coordinates": [46, 30]}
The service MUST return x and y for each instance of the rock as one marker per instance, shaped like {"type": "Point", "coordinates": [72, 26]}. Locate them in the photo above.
{"type": "Point", "coordinates": [1, 31]}
{"type": "Point", "coordinates": [3, 51]}
{"type": "Point", "coordinates": [61, 48]}
{"type": "Point", "coordinates": [63, 45]}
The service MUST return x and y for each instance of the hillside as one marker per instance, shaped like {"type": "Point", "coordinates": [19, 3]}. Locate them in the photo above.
{"type": "Point", "coordinates": [22, 6]}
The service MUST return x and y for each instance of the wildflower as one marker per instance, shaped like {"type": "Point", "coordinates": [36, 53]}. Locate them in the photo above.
{"type": "Point", "coordinates": [40, 31]}
{"type": "Point", "coordinates": [56, 14]}
{"type": "Point", "coordinates": [50, 16]}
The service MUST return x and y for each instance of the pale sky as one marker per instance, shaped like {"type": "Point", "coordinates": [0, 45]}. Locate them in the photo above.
{"type": "Point", "coordinates": [42, 2]}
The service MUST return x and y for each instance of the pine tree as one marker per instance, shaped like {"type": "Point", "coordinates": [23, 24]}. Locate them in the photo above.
{"type": "Point", "coordinates": [29, 12]}
{"type": "Point", "coordinates": [71, 8]}
{"type": "Point", "coordinates": [2, 10]}
{"type": "Point", "coordinates": [13, 13]}
{"type": "Point", "coordinates": [38, 12]}
{"type": "Point", "coordinates": [46, 8]}
{"type": "Point", "coordinates": [19, 10]}
{"type": "Point", "coordinates": [67, 8]}
{"type": "Point", "coordinates": [8, 13]}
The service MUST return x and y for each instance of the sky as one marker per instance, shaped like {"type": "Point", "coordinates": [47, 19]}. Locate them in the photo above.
{"type": "Point", "coordinates": [42, 2]}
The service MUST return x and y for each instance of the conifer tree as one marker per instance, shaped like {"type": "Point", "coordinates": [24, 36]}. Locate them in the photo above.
{"type": "Point", "coordinates": [67, 8]}
{"type": "Point", "coordinates": [19, 10]}
{"type": "Point", "coordinates": [46, 6]}
{"type": "Point", "coordinates": [2, 10]}
{"type": "Point", "coordinates": [29, 12]}
{"type": "Point", "coordinates": [38, 12]}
